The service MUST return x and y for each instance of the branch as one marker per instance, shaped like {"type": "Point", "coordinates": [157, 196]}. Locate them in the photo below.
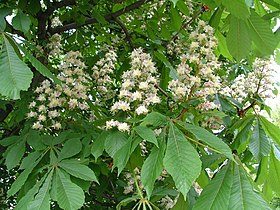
{"type": "Point", "coordinates": [127, 35]}
{"type": "Point", "coordinates": [4, 113]}
{"type": "Point", "coordinates": [42, 17]}
{"type": "Point", "coordinates": [12, 30]}
{"type": "Point", "coordinates": [108, 17]}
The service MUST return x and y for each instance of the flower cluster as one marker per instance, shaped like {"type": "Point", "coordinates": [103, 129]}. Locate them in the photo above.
{"type": "Point", "coordinates": [138, 89]}
{"type": "Point", "coordinates": [258, 82]}
{"type": "Point", "coordinates": [196, 74]}
{"type": "Point", "coordinates": [54, 45]}
{"type": "Point", "coordinates": [102, 76]}
{"type": "Point", "coordinates": [54, 101]}
{"type": "Point", "coordinates": [130, 187]}
{"type": "Point", "coordinates": [167, 203]}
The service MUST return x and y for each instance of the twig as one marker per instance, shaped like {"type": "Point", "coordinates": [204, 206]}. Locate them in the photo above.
{"type": "Point", "coordinates": [108, 17]}
{"type": "Point", "coordinates": [127, 35]}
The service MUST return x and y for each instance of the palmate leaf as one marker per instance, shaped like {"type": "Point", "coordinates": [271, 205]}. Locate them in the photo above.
{"type": "Point", "coordinates": [21, 22]}
{"type": "Point", "coordinates": [75, 168]}
{"type": "Point", "coordinates": [69, 195]}
{"type": "Point", "coordinates": [230, 189]}
{"type": "Point", "coordinates": [208, 138]}
{"type": "Point", "coordinates": [42, 199]}
{"type": "Point", "coordinates": [259, 143]}
{"type": "Point", "coordinates": [238, 39]}
{"type": "Point", "coordinates": [153, 167]}
{"type": "Point", "coordinates": [181, 160]}
{"type": "Point", "coordinates": [15, 74]}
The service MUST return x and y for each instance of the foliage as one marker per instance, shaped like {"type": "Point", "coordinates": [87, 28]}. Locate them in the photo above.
{"type": "Point", "coordinates": [138, 104]}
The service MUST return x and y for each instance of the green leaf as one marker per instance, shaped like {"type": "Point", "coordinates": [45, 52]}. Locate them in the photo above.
{"type": "Point", "coordinates": [42, 199]}
{"type": "Point", "coordinates": [98, 145]}
{"type": "Point", "coordinates": [114, 141]}
{"type": "Point", "coordinates": [270, 129]}
{"type": "Point", "coordinates": [274, 173]}
{"type": "Point", "coordinates": [75, 168]}
{"type": "Point", "coordinates": [21, 179]}
{"type": "Point", "coordinates": [222, 45]}
{"type": "Point", "coordinates": [69, 195]}
{"type": "Point", "coordinates": [23, 203]}
{"type": "Point", "coordinates": [121, 156]}
{"type": "Point", "coordinates": [39, 66]}
{"type": "Point", "coordinates": [70, 148]}
{"type": "Point", "coordinates": [216, 17]}
{"type": "Point", "coordinates": [262, 34]}
{"type": "Point", "coordinates": [217, 194]}
{"type": "Point", "coordinates": [181, 160]}
{"type": "Point", "coordinates": [3, 13]}
{"type": "Point", "coordinates": [31, 158]}
{"type": "Point", "coordinates": [98, 17]}
{"type": "Point", "coordinates": [146, 134]}
{"type": "Point", "coordinates": [242, 194]}
{"type": "Point", "coordinates": [230, 189]}
{"type": "Point", "coordinates": [209, 138]}
{"type": "Point", "coordinates": [237, 8]}
{"type": "Point", "coordinates": [183, 7]}
{"type": "Point", "coordinates": [155, 119]}
{"type": "Point", "coordinates": [21, 22]}
{"type": "Point", "coordinates": [238, 38]}
{"type": "Point", "coordinates": [162, 57]}
{"type": "Point", "coordinates": [15, 154]}
{"type": "Point", "coordinates": [259, 143]}
{"type": "Point", "coordinates": [15, 74]}
{"type": "Point", "coordinates": [10, 140]}
{"type": "Point", "coordinates": [35, 141]}
{"type": "Point", "coordinates": [176, 19]}
{"type": "Point", "coordinates": [153, 167]}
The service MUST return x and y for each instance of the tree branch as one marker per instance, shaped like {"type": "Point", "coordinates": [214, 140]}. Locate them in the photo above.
{"type": "Point", "coordinates": [108, 17]}
{"type": "Point", "coordinates": [127, 35]}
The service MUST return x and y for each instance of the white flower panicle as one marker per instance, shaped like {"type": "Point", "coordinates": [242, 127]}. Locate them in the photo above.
{"type": "Point", "coordinates": [259, 82]}
{"type": "Point", "coordinates": [102, 76]}
{"type": "Point", "coordinates": [197, 71]}
{"type": "Point", "coordinates": [55, 100]}
{"type": "Point", "coordinates": [138, 89]}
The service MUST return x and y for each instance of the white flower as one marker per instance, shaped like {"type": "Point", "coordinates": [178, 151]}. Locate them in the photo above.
{"type": "Point", "coordinates": [141, 110]}
{"type": "Point", "coordinates": [136, 96]}
{"type": "Point", "coordinates": [42, 118]}
{"type": "Point", "coordinates": [31, 114]}
{"type": "Point", "coordinates": [53, 114]}
{"type": "Point", "coordinates": [112, 123]}
{"type": "Point", "coordinates": [41, 97]}
{"type": "Point", "coordinates": [73, 103]}
{"type": "Point", "coordinates": [57, 125]}
{"type": "Point", "coordinates": [37, 125]}
{"type": "Point", "coordinates": [32, 104]}
{"type": "Point", "coordinates": [143, 85]}
{"type": "Point", "coordinates": [123, 127]}
{"type": "Point", "coordinates": [42, 108]}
